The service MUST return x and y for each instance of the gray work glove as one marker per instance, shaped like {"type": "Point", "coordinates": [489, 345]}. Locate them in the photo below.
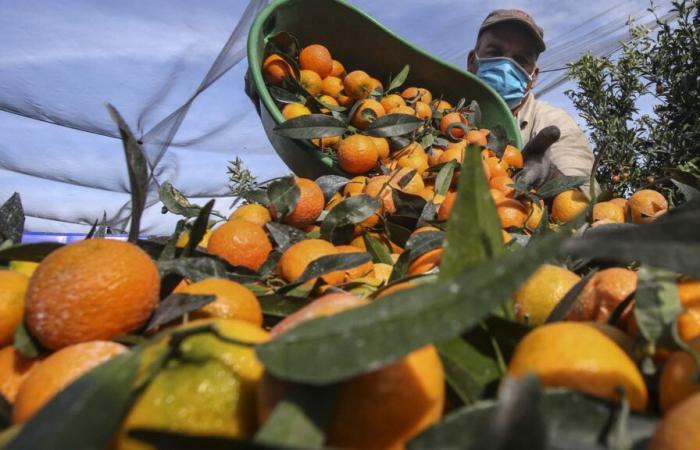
{"type": "Point", "coordinates": [536, 154]}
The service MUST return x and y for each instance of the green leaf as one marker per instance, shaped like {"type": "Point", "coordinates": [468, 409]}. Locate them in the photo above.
{"type": "Point", "coordinates": [5, 413]}
{"type": "Point", "coordinates": [198, 229]}
{"type": "Point", "coordinates": [416, 246]}
{"type": "Point", "coordinates": [285, 96]}
{"type": "Point", "coordinates": [137, 166]}
{"type": "Point", "coordinates": [399, 79]}
{"type": "Point", "coordinates": [278, 305]}
{"type": "Point", "coordinates": [497, 140]}
{"type": "Point", "coordinates": [333, 263]}
{"type": "Point", "coordinates": [392, 125]}
{"type": "Point", "coordinates": [467, 370]}
{"type": "Point", "coordinates": [372, 336]}
{"type": "Point", "coordinates": [170, 440]}
{"type": "Point", "coordinates": [26, 344]}
{"type": "Point", "coordinates": [77, 417]}
{"type": "Point", "coordinates": [175, 202]}
{"type": "Point", "coordinates": [311, 126]}
{"type": "Point", "coordinates": [29, 252]}
{"type": "Point", "coordinates": [300, 418]}
{"type": "Point", "coordinates": [560, 184]}
{"type": "Point", "coordinates": [283, 195]}
{"type": "Point", "coordinates": [408, 205]}
{"type": "Point", "coordinates": [670, 242]}
{"type": "Point", "coordinates": [12, 219]}
{"type": "Point", "coordinates": [376, 248]}
{"type": "Point", "coordinates": [657, 303]}
{"type": "Point", "coordinates": [473, 229]}
{"type": "Point", "coordinates": [283, 42]}
{"type": "Point", "coordinates": [175, 306]}
{"type": "Point", "coordinates": [572, 421]}
{"type": "Point", "coordinates": [351, 211]}
{"type": "Point", "coordinates": [193, 268]}
{"type": "Point", "coordinates": [561, 310]}
{"type": "Point", "coordinates": [170, 248]}
{"type": "Point", "coordinates": [330, 184]}
{"type": "Point", "coordinates": [284, 235]}
{"type": "Point", "coordinates": [444, 177]}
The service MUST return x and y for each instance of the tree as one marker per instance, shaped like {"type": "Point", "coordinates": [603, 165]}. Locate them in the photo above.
{"type": "Point", "coordinates": [643, 150]}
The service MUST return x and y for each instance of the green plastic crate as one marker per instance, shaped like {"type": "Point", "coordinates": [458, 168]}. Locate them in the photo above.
{"type": "Point", "coordinates": [360, 43]}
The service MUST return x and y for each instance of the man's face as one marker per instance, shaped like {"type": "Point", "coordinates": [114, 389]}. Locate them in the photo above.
{"type": "Point", "coordinates": [506, 39]}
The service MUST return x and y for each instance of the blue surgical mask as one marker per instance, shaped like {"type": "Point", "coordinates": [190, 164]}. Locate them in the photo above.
{"type": "Point", "coordinates": [506, 77]}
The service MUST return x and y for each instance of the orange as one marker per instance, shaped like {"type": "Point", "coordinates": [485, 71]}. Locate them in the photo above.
{"type": "Point", "coordinates": [357, 84]}
{"type": "Point", "coordinates": [413, 156]}
{"type": "Point", "coordinates": [376, 85]}
{"type": "Point", "coordinates": [403, 110]}
{"type": "Point", "coordinates": [362, 121]}
{"type": "Point", "coordinates": [679, 378]}
{"type": "Point", "coordinates": [91, 289]}
{"type": "Point", "coordinates": [276, 69]}
{"type": "Point", "coordinates": [327, 142]}
{"type": "Point", "coordinates": [332, 86]}
{"type": "Point", "coordinates": [338, 69]}
{"type": "Point", "coordinates": [297, 258]}
{"type": "Point", "coordinates": [679, 428]}
{"type": "Point", "coordinates": [412, 186]}
{"type": "Point", "coordinates": [14, 369]}
{"type": "Point", "coordinates": [504, 184]}
{"type": "Point", "coordinates": [568, 205]}
{"type": "Point", "coordinates": [359, 242]}
{"type": "Point", "coordinates": [601, 295]}
{"type": "Point", "coordinates": [382, 271]}
{"type": "Point", "coordinates": [317, 58]}
{"type": "Point", "coordinates": [453, 118]}
{"type": "Point", "coordinates": [240, 243]}
{"type": "Point", "coordinates": [512, 157]}
{"type": "Point", "coordinates": [434, 155]}
{"type": "Point", "coordinates": [253, 212]}
{"type": "Point", "coordinates": [392, 101]}
{"type": "Point", "coordinates": [293, 110]}
{"type": "Point", "coordinates": [487, 153]}
{"type": "Point", "coordinates": [689, 321]}
{"type": "Point", "coordinates": [382, 145]}
{"type": "Point", "coordinates": [578, 356]}
{"type": "Point", "coordinates": [535, 211]}
{"type": "Point", "coordinates": [506, 237]}
{"type": "Point", "coordinates": [427, 261]}
{"type": "Point", "coordinates": [646, 205]}
{"type": "Point", "coordinates": [396, 287]}
{"type": "Point", "coordinates": [366, 269]}
{"type": "Point", "coordinates": [332, 203]}
{"type": "Point", "coordinates": [496, 168]}
{"type": "Point", "coordinates": [497, 195]}
{"type": "Point", "coordinates": [538, 296]}
{"type": "Point", "coordinates": [446, 206]}
{"type": "Point", "coordinates": [357, 154]}
{"type": "Point", "coordinates": [622, 203]}
{"type": "Point", "coordinates": [380, 409]}
{"type": "Point", "coordinates": [441, 106]}
{"type": "Point", "coordinates": [57, 371]}
{"type": "Point", "coordinates": [423, 110]}
{"type": "Point", "coordinates": [184, 239]}
{"type": "Point", "coordinates": [309, 206]}
{"type": "Point", "coordinates": [422, 94]}
{"type": "Point", "coordinates": [476, 137]}
{"type": "Point", "coordinates": [328, 100]}
{"type": "Point", "coordinates": [689, 292]}
{"type": "Point", "coordinates": [355, 186]}
{"type": "Point", "coordinates": [233, 300]}
{"type": "Point", "coordinates": [452, 154]}
{"type": "Point", "coordinates": [13, 286]}
{"type": "Point", "coordinates": [608, 210]}
{"type": "Point", "coordinates": [379, 187]}
{"type": "Point", "coordinates": [511, 213]}
{"type": "Point", "coordinates": [311, 81]}
{"type": "Point", "coordinates": [344, 100]}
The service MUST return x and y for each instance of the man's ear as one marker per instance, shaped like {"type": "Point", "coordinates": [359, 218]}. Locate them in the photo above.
{"type": "Point", "coordinates": [535, 74]}
{"type": "Point", "coordinates": [471, 61]}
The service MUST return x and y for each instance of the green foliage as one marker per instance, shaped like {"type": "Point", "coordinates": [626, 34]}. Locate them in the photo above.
{"type": "Point", "coordinates": [637, 150]}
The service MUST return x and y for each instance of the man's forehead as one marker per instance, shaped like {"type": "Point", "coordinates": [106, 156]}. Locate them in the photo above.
{"type": "Point", "coordinates": [507, 34]}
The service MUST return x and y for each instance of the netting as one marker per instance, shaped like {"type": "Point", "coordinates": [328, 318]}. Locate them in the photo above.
{"type": "Point", "coordinates": [175, 71]}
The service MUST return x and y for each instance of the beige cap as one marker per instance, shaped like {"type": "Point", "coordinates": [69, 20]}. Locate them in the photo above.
{"type": "Point", "coordinates": [515, 15]}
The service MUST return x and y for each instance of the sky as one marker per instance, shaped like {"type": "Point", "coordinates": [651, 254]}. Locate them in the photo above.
{"type": "Point", "coordinates": [63, 60]}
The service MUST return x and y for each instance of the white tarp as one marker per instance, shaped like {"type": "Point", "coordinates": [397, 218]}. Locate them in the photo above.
{"type": "Point", "coordinates": [61, 61]}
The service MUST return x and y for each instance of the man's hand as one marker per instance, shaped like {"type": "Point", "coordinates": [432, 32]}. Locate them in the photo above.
{"type": "Point", "coordinates": [538, 165]}
{"type": "Point", "coordinates": [251, 92]}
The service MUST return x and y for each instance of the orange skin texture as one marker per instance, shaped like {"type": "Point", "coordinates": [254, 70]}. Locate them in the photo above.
{"type": "Point", "coordinates": [513, 157]}
{"type": "Point", "coordinates": [14, 369]}
{"type": "Point", "coordinates": [357, 154]}
{"type": "Point", "coordinates": [382, 146]}
{"type": "Point", "coordinates": [361, 122]}
{"type": "Point", "coordinates": [311, 81]}
{"type": "Point", "coordinates": [578, 356]}
{"type": "Point", "coordinates": [622, 203]}
{"type": "Point", "coordinates": [411, 93]}
{"type": "Point", "coordinates": [375, 85]}
{"type": "Point", "coordinates": [567, 205]}
{"type": "Point", "coordinates": [605, 290]}
{"type": "Point", "coordinates": [497, 195]}
{"type": "Point", "coordinates": [338, 69]}
{"type": "Point", "coordinates": [252, 213]}
{"type": "Point", "coordinates": [679, 429]}
{"type": "Point", "coordinates": [413, 156]}
{"type": "Point", "coordinates": [403, 110]}
{"type": "Point", "coordinates": [441, 106]}
{"type": "Point", "coordinates": [428, 260]}
{"type": "Point", "coordinates": [511, 213]}
{"type": "Point", "coordinates": [297, 258]}
{"type": "Point", "coordinates": [293, 110]}
{"type": "Point", "coordinates": [646, 205]}
{"type": "Point", "coordinates": [357, 84]}
{"type": "Point", "coordinates": [450, 118]}
{"type": "Point", "coordinates": [423, 110]}
{"type": "Point", "coordinates": [233, 300]}
{"type": "Point", "coordinates": [504, 184]}
{"type": "Point", "coordinates": [434, 156]}
{"type": "Point", "coordinates": [679, 378]}
{"type": "Point", "coordinates": [689, 321]}
{"type": "Point", "coordinates": [355, 186]}
{"type": "Point", "coordinates": [89, 290]}
{"type": "Point", "coordinates": [379, 187]}
{"type": "Point", "coordinates": [534, 214]}
{"type": "Point", "coordinates": [446, 206]}
{"type": "Point", "coordinates": [609, 211]}
{"type": "Point", "coordinates": [414, 186]}
{"type": "Point", "coordinates": [276, 69]}
{"type": "Point", "coordinates": [496, 168]}
{"type": "Point", "coordinates": [57, 371]}
{"type": "Point", "coordinates": [316, 58]}
{"type": "Point", "coordinates": [389, 405]}
{"type": "Point", "coordinates": [309, 206]}
{"type": "Point", "coordinates": [452, 154]}
{"type": "Point", "coordinates": [392, 101]}
{"type": "Point", "coordinates": [355, 272]}
{"type": "Point", "coordinates": [332, 86]}
{"type": "Point", "coordinates": [476, 137]}
{"type": "Point", "coordinates": [240, 243]}
{"type": "Point", "coordinates": [13, 288]}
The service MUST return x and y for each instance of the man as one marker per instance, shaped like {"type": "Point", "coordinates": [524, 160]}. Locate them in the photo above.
{"type": "Point", "coordinates": [505, 57]}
